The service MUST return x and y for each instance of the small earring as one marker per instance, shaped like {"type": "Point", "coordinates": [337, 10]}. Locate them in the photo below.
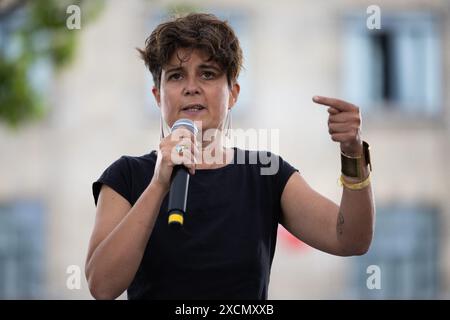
{"type": "Point", "coordinates": [161, 127]}
{"type": "Point", "coordinates": [229, 123]}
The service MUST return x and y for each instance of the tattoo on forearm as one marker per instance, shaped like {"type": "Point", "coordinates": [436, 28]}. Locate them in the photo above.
{"type": "Point", "coordinates": [340, 223]}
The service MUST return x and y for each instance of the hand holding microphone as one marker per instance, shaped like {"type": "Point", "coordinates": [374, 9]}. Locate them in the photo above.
{"type": "Point", "coordinates": [176, 155]}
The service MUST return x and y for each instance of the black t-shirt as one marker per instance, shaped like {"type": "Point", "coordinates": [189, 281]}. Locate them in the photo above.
{"type": "Point", "coordinates": [226, 246]}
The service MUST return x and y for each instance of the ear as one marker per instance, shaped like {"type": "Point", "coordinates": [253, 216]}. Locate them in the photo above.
{"type": "Point", "coordinates": [234, 94]}
{"type": "Point", "coordinates": [157, 96]}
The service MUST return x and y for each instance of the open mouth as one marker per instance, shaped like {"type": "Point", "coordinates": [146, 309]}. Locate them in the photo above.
{"type": "Point", "coordinates": [193, 108]}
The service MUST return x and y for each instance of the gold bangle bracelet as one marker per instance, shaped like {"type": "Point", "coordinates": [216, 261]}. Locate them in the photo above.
{"type": "Point", "coordinates": [355, 186]}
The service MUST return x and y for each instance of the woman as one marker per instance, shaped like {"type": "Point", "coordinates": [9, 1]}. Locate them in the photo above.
{"type": "Point", "coordinates": [227, 243]}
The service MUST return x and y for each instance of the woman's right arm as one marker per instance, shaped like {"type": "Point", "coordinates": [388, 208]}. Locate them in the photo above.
{"type": "Point", "coordinates": [119, 239]}
{"type": "Point", "coordinates": [121, 232]}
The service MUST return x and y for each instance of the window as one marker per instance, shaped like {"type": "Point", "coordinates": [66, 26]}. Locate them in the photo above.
{"type": "Point", "coordinates": [395, 68]}
{"type": "Point", "coordinates": [21, 250]}
{"type": "Point", "coordinates": [405, 248]}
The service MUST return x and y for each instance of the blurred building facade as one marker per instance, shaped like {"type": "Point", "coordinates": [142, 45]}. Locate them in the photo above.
{"type": "Point", "coordinates": [101, 107]}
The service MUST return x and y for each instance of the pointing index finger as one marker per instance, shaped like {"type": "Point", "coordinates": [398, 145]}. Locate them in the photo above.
{"type": "Point", "coordinates": [334, 103]}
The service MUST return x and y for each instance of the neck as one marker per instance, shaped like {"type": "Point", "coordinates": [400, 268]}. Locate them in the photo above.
{"type": "Point", "coordinates": [214, 154]}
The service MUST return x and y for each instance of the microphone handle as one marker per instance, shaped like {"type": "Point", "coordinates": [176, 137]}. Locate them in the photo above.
{"type": "Point", "coordinates": [178, 196]}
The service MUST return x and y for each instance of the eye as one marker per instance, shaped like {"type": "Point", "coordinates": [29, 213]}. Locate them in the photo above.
{"type": "Point", "coordinates": [209, 75]}
{"type": "Point", "coordinates": [175, 76]}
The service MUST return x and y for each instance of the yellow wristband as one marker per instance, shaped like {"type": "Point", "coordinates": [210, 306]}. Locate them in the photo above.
{"type": "Point", "coordinates": [355, 186]}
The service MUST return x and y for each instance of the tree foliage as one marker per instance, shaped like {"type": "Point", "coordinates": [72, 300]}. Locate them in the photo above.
{"type": "Point", "coordinates": [32, 32]}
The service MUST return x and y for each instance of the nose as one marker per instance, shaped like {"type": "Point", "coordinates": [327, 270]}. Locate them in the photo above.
{"type": "Point", "coordinates": [191, 87]}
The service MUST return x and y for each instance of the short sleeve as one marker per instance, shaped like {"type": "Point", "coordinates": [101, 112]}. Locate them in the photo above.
{"type": "Point", "coordinates": [285, 170]}
{"type": "Point", "coordinates": [116, 176]}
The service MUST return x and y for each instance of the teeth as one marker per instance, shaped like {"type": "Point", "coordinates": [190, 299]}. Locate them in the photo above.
{"type": "Point", "coordinates": [196, 108]}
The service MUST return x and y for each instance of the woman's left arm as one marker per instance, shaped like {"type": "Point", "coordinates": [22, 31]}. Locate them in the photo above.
{"type": "Point", "coordinates": [341, 230]}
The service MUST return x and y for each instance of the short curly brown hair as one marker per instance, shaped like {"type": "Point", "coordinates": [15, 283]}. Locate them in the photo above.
{"type": "Point", "coordinates": [197, 31]}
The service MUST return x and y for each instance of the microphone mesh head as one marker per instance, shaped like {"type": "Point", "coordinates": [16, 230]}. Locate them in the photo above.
{"type": "Point", "coordinates": [188, 123]}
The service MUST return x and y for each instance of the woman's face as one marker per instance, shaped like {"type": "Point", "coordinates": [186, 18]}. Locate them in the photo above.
{"type": "Point", "coordinates": [195, 89]}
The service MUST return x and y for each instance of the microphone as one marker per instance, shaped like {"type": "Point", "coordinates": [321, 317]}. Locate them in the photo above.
{"type": "Point", "coordinates": [179, 184]}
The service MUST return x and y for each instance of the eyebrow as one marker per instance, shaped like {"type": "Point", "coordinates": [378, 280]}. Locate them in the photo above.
{"type": "Point", "coordinates": [202, 66]}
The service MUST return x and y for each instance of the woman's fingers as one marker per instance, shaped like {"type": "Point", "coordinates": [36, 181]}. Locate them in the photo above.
{"type": "Point", "coordinates": [337, 104]}
{"type": "Point", "coordinates": [187, 156]}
